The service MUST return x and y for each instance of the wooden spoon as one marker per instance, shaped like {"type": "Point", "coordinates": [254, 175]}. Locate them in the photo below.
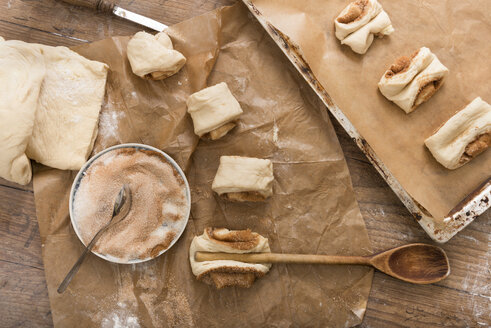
{"type": "Point", "coordinates": [415, 263]}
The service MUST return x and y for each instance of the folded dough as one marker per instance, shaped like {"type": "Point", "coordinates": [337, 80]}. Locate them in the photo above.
{"type": "Point", "coordinates": [357, 24]}
{"type": "Point", "coordinates": [244, 178]}
{"type": "Point", "coordinates": [213, 108]}
{"type": "Point", "coordinates": [224, 273]}
{"type": "Point", "coordinates": [21, 74]}
{"type": "Point", "coordinates": [402, 72]}
{"type": "Point", "coordinates": [153, 57]}
{"type": "Point", "coordinates": [464, 136]}
{"type": "Point", "coordinates": [68, 109]}
{"type": "Point", "coordinates": [411, 81]}
{"type": "Point", "coordinates": [356, 15]}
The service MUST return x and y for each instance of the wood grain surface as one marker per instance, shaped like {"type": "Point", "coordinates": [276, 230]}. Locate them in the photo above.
{"type": "Point", "coordinates": [462, 300]}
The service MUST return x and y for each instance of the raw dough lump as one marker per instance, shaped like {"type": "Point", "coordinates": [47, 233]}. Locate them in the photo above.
{"type": "Point", "coordinates": [359, 22]}
{"type": "Point", "coordinates": [21, 74]}
{"type": "Point", "coordinates": [224, 273]}
{"type": "Point", "coordinates": [410, 81]}
{"type": "Point", "coordinates": [464, 136]}
{"type": "Point", "coordinates": [68, 109]}
{"type": "Point", "coordinates": [50, 98]}
{"type": "Point", "coordinates": [153, 57]}
{"type": "Point", "coordinates": [213, 110]}
{"type": "Point", "coordinates": [244, 178]}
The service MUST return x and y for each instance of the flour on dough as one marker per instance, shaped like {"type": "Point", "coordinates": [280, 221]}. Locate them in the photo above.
{"type": "Point", "coordinates": [244, 175]}
{"type": "Point", "coordinates": [464, 136]}
{"type": "Point", "coordinates": [21, 73]}
{"type": "Point", "coordinates": [212, 108]}
{"type": "Point", "coordinates": [358, 24]}
{"type": "Point", "coordinates": [68, 109]}
{"type": "Point", "coordinates": [410, 81]}
{"type": "Point", "coordinates": [225, 273]}
{"type": "Point", "coordinates": [153, 56]}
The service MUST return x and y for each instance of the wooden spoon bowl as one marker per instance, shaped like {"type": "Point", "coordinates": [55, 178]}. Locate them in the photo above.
{"type": "Point", "coordinates": [416, 263]}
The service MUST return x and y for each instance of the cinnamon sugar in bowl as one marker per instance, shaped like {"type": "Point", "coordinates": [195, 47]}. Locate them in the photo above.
{"type": "Point", "coordinates": [160, 205]}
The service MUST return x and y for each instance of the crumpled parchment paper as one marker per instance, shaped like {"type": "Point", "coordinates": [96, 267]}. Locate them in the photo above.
{"type": "Point", "coordinates": [313, 209]}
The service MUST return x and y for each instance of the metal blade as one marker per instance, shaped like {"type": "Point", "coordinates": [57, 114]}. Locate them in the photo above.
{"type": "Point", "coordinates": [139, 19]}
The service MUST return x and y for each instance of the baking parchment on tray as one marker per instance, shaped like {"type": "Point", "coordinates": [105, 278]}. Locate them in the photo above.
{"type": "Point", "coordinates": [313, 209]}
{"type": "Point", "coordinates": [443, 201]}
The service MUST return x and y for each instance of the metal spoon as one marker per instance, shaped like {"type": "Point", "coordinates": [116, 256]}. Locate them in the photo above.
{"type": "Point", "coordinates": [415, 263]}
{"type": "Point", "coordinates": [121, 208]}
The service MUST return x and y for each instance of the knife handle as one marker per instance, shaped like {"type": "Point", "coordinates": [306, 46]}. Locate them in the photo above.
{"type": "Point", "coordinates": [98, 5]}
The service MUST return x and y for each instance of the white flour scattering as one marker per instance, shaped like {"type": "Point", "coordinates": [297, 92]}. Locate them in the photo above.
{"type": "Point", "coordinates": [108, 123]}
{"type": "Point", "coordinates": [120, 319]}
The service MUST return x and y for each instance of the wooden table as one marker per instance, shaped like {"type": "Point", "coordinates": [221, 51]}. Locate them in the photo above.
{"type": "Point", "coordinates": [462, 300]}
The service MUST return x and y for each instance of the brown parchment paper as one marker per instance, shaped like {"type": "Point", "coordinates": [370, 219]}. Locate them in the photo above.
{"type": "Point", "coordinates": [456, 31]}
{"type": "Point", "coordinates": [313, 209]}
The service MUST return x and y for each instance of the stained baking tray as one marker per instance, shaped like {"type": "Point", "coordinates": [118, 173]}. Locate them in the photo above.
{"type": "Point", "coordinates": [476, 203]}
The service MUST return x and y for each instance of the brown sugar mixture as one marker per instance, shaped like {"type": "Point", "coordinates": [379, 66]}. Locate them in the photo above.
{"type": "Point", "coordinates": [426, 91]}
{"type": "Point", "coordinates": [228, 276]}
{"type": "Point", "coordinates": [354, 13]}
{"type": "Point", "coordinates": [475, 147]}
{"type": "Point", "coordinates": [401, 65]}
{"type": "Point", "coordinates": [158, 209]}
{"type": "Point", "coordinates": [238, 239]}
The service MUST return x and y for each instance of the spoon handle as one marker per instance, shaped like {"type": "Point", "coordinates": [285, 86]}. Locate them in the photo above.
{"type": "Point", "coordinates": [283, 258]}
{"type": "Point", "coordinates": [64, 284]}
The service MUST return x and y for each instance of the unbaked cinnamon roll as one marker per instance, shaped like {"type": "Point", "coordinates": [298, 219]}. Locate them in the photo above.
{"type": "Point", "coordinates": [214, 111]}
{"type": "Point", "coordinates": [227, 273]}
{"type": "Point", "coordinates": [464, 136]}
{"type": "Point", "coordinates": [244, 178]}
{"type": "Point", "coordinates": [410, 81]}
{"type": "Point", "coordinates": [358, 24]}
{"type": "Point", "coordinates": [153, 57]}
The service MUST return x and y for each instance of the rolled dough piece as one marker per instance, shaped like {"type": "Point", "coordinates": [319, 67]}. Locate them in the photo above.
{"type": "Point", "coordinates": [212, 108]}
{"type": "Point", "coordinates": [244, 178]}
{"type": "Point", "coordinates": [68, 109]}
{"type": "Point", "coordinates": [153, 57]}
{"type": "Point", "coordinates": [423, 85]}
{"type": "Point", "coordinates": [464, 136]}
{"type": "Point", "coordinates": [21, 74]}
{"type": "Point", "coordinates": [403, 71]}
{"type": "Point", "coordinates": [1, 39]}
{"type": "Point", "coordinates": [225, 273]}
{"type": "Point", "coordinates": [360, 40]}
{"type": "Point", "coordinates": [356, 15]}
{"type": "Point", "coordinates": [359, 22]}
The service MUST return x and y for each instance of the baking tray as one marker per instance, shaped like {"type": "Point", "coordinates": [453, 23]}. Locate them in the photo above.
{"type": "Point", "coordinates": [476, 203]}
